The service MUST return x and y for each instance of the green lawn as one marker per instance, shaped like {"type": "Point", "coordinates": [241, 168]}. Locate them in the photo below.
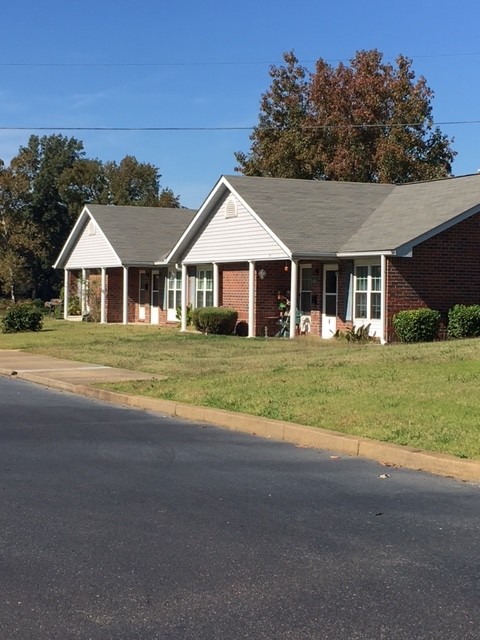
{"type": "Point", "coordinates": [426, 396]}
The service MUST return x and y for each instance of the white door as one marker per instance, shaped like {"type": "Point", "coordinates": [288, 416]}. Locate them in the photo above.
{"type": "Point", "coordinates": [174, 294]}
{"type": "Point", "coordinates": [155, 302]}
{"type": "Point", "coordinates": [330, 294]}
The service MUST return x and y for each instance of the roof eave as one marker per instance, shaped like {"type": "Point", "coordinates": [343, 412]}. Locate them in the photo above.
{"type": "Point", "coordinates": [366, 254]}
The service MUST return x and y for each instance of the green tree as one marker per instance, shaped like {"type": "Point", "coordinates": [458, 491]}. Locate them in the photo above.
{"type": "Point", "coordinates": [20, 240]}
{"type": "Point", "coordinates": [132, 182]}
{"type": "Point", "coordinates": [169, 199]}
{"type": "Point", "coordinates": [42, 163]}
{"type": "Point", "coordinates": [281, 142]}
{"type": "Point", "coordinates": [366, 122]}
{"type": "Point", "coordinates": [83, 183]}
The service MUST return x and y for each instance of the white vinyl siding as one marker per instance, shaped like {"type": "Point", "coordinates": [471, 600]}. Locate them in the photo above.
{"type": "Point", "coordinates": [234, 239]}
{"type": "Point", "coordinates": [92, 251]}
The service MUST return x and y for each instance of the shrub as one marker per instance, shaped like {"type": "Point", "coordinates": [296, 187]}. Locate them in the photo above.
{"type": "Point", "coordinates": [22, 317]}
{"type": "Point", "coordinates": [356, 334]}
{"type": "Point", "coordinates": [463, 321]}
{"type": "Point", "coordinates": [189, 314]}
{"type": "Point", "coordinates": [218, 320]}
{"type": "Point", "coordinates": [417, 325]}
{"type": "Point", "coordinates": [74, 306]}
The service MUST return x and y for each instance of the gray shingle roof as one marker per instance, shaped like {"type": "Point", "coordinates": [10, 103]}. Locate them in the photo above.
{"type": "Point", "coordinates": [141, 235]}
{"type": "Point", "coordinates": [318, 217]}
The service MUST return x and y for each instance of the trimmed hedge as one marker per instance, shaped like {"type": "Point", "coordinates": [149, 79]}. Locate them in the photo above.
{"type": "Point", "coordinates": [22, 317]}
{"type": "Point", "coordinates": [463, 321]}
{"type": "Point", "coordinates": [417, 325]}
{"type": "Point", "coordinates": [218, 320]}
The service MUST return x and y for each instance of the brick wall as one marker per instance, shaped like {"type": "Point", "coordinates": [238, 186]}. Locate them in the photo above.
{"type": "Point", "coordinates": [442, 271]}
{"type": "Point", "coordinates": [233, 292]}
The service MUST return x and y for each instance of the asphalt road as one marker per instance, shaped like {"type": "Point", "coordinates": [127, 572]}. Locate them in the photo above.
{"type": "Point", "coordinates": [117, 524]}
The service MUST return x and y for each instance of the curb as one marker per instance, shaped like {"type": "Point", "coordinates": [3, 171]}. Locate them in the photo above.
{"type": "Point", "coordinates": [312, 437]}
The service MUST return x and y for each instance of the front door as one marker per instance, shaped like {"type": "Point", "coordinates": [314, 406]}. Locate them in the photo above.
{"type": "Point", "coordinates": [155, 303]}
{"type": "Point", "coordinates": [330, 294]}
{"type": "Point", "coordinates": [174, 291]}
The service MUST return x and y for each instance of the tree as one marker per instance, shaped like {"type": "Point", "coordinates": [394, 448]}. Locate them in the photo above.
{"type": "Point", "coordinates": [83, 183]}
{"type": "Point", "coordinates": [19, 237]}
{"type": "Point", "coordinates": [169, 199]}
{"type": "Point", "coordinates": [42, 163]}
{"type": "Point", "coordinates": [366, 122]}
{"type": "Point", "coordinates": [132, 183]}
{"type": "Point", "coordinates": [281, 142]}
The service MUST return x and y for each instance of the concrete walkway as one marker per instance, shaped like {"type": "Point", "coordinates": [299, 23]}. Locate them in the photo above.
{"type": "Point", "coordinates": [80, 378]}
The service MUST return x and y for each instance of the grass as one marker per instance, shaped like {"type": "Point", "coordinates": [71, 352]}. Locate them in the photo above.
{"type": "Point", "coordinates": [425, 395]}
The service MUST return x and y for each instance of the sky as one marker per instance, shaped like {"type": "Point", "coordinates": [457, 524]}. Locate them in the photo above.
{"type": "Point", "coordinates": [84, 68]}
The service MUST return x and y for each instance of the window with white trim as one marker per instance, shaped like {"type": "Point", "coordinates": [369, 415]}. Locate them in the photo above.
{"type": "Point", "coordinates": [368, 292]}
{"type": "Point", "coordinates": [174, 288]}
{"type": "Point", "coordinates": [306, 286]}
{"type": "Point", "coordinates": [204, 286]}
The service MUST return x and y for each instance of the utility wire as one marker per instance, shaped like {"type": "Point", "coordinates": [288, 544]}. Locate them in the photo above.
{"type": "Point", "coordinates": [249, 128]}
{"type": "Point", "coordinates": [217, 63]}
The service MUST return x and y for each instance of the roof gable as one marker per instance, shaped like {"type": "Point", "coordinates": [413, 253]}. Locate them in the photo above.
{"type": "Point", "coordinates": [313, 218]}
{"type": "Point", "coordinates": [136, 235]}
{"type": "Point", "coordinates": [234, 237]}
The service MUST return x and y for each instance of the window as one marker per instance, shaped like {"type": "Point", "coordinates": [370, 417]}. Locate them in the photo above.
{"type": "Point", "coordinates": [368, 288]}
{"type": "Point", "coordinates": [143, 287]}
{"type": "Point", "coordinates": [204, 296]}
{"type": "Point", "coordinates": [174, 289]}
{"type": "Point", "coordinates": [306, 279]}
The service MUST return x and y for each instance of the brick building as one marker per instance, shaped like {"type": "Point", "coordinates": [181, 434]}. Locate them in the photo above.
{"type": "Point", "coordinates": [341, 254]}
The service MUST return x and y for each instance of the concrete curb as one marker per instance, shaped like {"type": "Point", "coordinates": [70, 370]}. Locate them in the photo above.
{"type": "Point", "coordinates": [300, 435]}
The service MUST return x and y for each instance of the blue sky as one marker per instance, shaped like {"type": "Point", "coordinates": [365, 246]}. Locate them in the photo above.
{"type": "Point", "coordinates": [186, 63]}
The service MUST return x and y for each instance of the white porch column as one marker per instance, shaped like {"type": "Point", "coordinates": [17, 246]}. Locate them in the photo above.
{"type": "Point", "coordinates": [216, 285]}
{"type": "Point", "coordinates": [383, 299]}
{"type": "Point", "coordinates": [251, 299]}
{"type": "Point", "coordinates": [293, 298]}
{"type": "Point", "coordinates": [183, 298]}
{"type": "Point", "coordinates": [83, 289]}
{"type": "Point", "coordinates": [66, 294]}
{"type": "Point", "coordinates": [103, 297]}
{"type": "Point", "coordinates": [125, 295]}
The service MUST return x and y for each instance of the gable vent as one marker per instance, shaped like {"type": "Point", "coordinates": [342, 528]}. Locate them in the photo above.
{"type": "Point", "coordinates": [231, 209]}
{"type": "Point", "coordinates": [92, 228]}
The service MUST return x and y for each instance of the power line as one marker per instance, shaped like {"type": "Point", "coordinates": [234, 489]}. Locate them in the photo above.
{"type": "Point", "coordinates": [216, 63]}
{"type": "Point", "coordinates": [235, 128]}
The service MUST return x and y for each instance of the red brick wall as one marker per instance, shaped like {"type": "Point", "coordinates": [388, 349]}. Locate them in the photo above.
{"type": "Point", "coordinates": [233, 289]}
{"type": "Point", "coordinates": [442, 271]}
{"type": "Point", "coordinates": [233, 292]}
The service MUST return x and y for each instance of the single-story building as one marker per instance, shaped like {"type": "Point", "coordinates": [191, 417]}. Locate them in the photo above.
{"type": "Point", "coordinates": [113, 257]}
{"type": "Point", "coordinates": [343, 254]}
